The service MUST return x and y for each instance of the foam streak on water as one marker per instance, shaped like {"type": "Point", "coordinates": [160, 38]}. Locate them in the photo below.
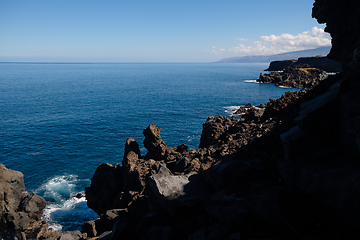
{"type": "Point", "coordinates": [66, 207]}
{"type": "Point", "coordinates": [230, 110]}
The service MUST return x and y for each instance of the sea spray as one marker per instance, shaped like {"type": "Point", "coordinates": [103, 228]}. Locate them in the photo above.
{"type": "Point", "coordinates": [66, 207]}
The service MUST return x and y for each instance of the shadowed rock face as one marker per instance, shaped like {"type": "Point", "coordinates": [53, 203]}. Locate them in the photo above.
{"type": "Point", "coordinates": [292, 173]}
{"type": "Point", "coordinates": [343, 24]}
{"type": "Point", "coordinates": [20, 211]}
{"type": "Point", "coordinates": [154, 143]}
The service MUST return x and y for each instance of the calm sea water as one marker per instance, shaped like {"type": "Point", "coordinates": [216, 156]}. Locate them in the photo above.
{"type": "Point", "coordinates": [60, 121]}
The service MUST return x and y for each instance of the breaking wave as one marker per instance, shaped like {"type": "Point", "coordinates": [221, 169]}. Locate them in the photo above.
{"type": "Point", "coordinates": [229, 110]}
{"type": "Point", "coordinates": [65, 203]}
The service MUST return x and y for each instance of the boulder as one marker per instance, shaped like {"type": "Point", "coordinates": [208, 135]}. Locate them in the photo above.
{"type": "Point", "coordinates": [167, 192]}
{"type": "Point", "coordinates": [33, 205]}
{"type": "Point", "coordinates": [106, 184]}
{"type": "Point", "coordinates": [20, 211]}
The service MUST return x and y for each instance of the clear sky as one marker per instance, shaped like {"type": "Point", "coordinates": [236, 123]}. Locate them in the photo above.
{"type": "Point", "coordinates": [154, 30]}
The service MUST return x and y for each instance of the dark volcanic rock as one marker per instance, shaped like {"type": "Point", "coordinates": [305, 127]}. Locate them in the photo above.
{"type": "Point", "coordinates": [292, 173]}
{"type": "Point", "coordinates": [153, 142]}
{"type": "Point", "coordinates": [250, 113]}
{"type": "Point", "coordinates": [297, 78]}
{"type": "Point", "coordinates": [280, 65]}
{"type": "Point", "coordinates": [105, 185]}
{"type": "Point", "coordinates": [342, 22]}
{"type": "Point", "coordinates": [168, 192]}
{"type": "Point", "coordinates": [214, 128]}
{"type": "Point", "coordinates": [20, 211]}
{"type": "Point", "coordinates": [322, 63]}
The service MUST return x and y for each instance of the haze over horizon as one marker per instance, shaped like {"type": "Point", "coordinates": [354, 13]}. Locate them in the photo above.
{"type": "Point", "coordinates": [156, 31]}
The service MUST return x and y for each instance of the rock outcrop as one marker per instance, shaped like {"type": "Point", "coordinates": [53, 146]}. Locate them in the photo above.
{"type": "Point", "coordinates": [227, 187]}
{"type": "Point", "coordinates": [342, 22]}
{"type": "Point", "coordinates": [250, 112]}
{"type": "Point", "coordinates": [20, 211]}
{"type": "Point", "coordinates": [322, 63]}
{"type": "Point", "coordinates": [292, 173]}
{"type": "Point", "coordinates": [296, 78]}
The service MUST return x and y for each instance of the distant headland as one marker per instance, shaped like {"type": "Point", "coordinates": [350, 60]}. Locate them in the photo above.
{"type": "Point", "coordinates": [321, 51]}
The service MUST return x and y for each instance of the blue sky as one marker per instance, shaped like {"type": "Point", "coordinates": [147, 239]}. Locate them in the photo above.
{"type": "Point", "coordinates": [154, 31]}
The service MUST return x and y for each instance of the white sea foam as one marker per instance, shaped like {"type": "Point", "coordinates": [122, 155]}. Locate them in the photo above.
{"type": "Point", "coordinates": [251, 81]}
{"type": "Point", "coordinates": [58, 188]}
{"type": "Point", "coordinates": [62, 203]}
{"type": "Point", "coordinates": [230, 110]}
{"type": "Point", "coordinates": [283, 86]}
{"type": "Point", "coordinates": [64, 207]}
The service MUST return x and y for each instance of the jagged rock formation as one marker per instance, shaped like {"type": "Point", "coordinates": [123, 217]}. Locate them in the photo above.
{"type": "Point", "coordinates": [322, 63]}
{"type": "Point", "coordinates": [208, 193]}
{"type": "Point", "coordinates": [20, 211]}
{"type": "Point", "coordinates": [296, 78]}
{"type": "Point", "coordinates": [293, 173]}
{"type": "Point", "coordinates": [342, 22]}
{"type": "Point", "coordinates": [250, 112]}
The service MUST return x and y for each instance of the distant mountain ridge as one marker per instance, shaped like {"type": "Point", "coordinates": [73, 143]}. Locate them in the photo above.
{"type": "Point", "coordinates": [322, 51]}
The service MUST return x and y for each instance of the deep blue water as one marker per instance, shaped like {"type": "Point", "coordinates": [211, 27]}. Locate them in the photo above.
{"type": "Point", "coordinates": [60, 121]}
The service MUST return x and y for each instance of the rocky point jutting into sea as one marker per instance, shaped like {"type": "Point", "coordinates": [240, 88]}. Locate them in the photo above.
{"type": "Point", "coordinates": [291, 173]}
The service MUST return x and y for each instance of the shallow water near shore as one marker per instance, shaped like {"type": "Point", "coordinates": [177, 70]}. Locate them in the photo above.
{"type": "Point", "coordinates": [60, 121]}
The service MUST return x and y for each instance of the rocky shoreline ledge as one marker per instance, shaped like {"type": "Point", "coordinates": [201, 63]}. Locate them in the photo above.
{"type": "Point", "coordinates": [301, 73]}
{"type": "Point", "coordinates": [291, 173]}
{"type": "Point", "coordinates": [294, 78]}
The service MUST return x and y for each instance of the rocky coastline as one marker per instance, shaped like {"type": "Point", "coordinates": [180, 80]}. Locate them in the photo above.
{"type": "Point", "coordinates": [305, 72]}
{"type": "Point", "coordinates": [319, 62]}
{"type": "Point", "coordinates": [294, 78]}
{"type": "Point", "coordinates": [289, 172]}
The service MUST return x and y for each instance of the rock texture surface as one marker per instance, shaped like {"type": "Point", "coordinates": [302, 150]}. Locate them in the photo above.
{"type": "Point", "coordinates": [20, 211]}
{"type": "Point", "coordinates": [296, 78]}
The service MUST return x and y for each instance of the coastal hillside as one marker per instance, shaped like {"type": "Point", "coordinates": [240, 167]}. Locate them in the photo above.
{"type": "Point", "coordinates": [305, 72]}
{"type": "Point", "coordinates": [321, 51]}
{"type": "Point", "coordinates": [322, 63]}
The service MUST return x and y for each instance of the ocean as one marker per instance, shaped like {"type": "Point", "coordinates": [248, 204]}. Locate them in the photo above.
{"type": "Point", "coordinates": [59, 121]}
